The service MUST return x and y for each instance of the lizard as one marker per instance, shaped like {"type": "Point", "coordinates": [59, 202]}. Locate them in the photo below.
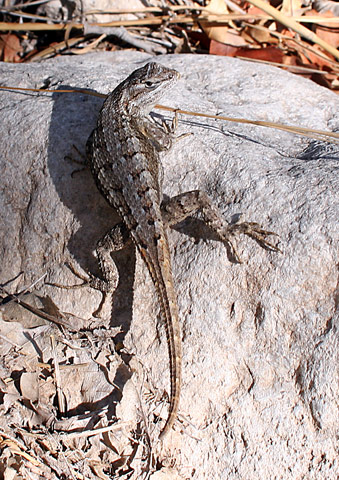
{"type": "Point", "coordinates": [123, 153]}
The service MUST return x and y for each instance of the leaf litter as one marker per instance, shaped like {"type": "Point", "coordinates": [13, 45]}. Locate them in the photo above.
{"type": "Point", "coordinates": [69, 405]}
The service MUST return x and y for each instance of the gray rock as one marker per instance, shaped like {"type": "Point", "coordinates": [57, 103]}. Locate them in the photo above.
{"type": "Point", "coordinates": [260, 341]}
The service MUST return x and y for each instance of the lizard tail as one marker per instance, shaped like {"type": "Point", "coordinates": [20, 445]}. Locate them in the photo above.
{"type": "Point", "coordinates": [174, 349]}
{"type": "Point", "coordinates": [170, 313]}
{"type": "Point", "coordinates": [162, 277]}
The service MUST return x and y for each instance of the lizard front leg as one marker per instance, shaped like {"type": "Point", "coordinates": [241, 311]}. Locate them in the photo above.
{"type": "Point", "coordinates": [181, 206]}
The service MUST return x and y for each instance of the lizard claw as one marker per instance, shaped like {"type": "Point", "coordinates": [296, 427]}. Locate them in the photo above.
{"type": "Point", "coordinates": [253, 230]}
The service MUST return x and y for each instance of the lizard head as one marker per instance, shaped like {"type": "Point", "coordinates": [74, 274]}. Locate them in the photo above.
{"type": "Point", "coordinates": [145, 86]}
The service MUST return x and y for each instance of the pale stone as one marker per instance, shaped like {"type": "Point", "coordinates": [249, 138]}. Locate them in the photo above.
{"type": "Point", "coordinates": [260, 340]}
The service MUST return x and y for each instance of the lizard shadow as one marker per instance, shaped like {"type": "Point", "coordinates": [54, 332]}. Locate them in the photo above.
{"type": "Point", "coordinates": [73, 119]}
{"type": "Point", "coordinates": [224, 131]}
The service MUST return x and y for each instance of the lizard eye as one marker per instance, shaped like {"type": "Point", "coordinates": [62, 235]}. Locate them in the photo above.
{"type": "Point", "coordinates": [150, 84]}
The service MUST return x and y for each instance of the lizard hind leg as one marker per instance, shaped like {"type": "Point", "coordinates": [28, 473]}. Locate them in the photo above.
{"type": "Point", "coordinates": [176, 209]}
{"type": "Point", "coordinates": [114, 240]}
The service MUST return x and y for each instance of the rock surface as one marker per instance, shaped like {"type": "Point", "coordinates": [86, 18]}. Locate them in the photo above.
{"type": "Point", "coordinates": [260, 341]}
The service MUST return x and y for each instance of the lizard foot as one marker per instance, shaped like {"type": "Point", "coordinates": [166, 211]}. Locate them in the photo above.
{"type": "Point", "coordinates": [88, 280]}
{"type": "Point", "coordinates": [251, 229]}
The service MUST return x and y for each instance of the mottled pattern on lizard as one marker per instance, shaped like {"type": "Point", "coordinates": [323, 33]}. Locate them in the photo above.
{"type": "Point", "coordinates": [123, 153]}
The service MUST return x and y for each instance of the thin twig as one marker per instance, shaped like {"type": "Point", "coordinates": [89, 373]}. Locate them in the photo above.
{"type": "Point", "coordinates": [307, 132]}
{"type": "Point", "coordinates": [292, 68]}
{"type": "Point", "coordinates": [300, 43]}
{"type": "Point", "coordinates": [57, 378]}
{"type": "Point", "coordinates": [9, 8]}
{"type": "Point", "coordinates": [53, 50]}
{"type": "Point", "coordinates": [207, 19]}
{"type": "Point", "coordinates": [295, 26]}
{"type": "Point", "coordinates": [97, 431]}
{"type": "Point", "coordinates": [58, 321]}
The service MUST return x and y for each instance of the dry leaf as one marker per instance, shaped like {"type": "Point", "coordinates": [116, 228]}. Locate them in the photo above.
{"type": "Point", "coordinates": [10, 48]}
{"type": "Point", "coordinates": [233, 38]}
{"type": "Point", "coordinates": [253, 10]}
{"type": "Point", "coordinates": [218, 33]}
{"type": "Point", "coordinates": [328, 32]}
{"type": "Point", "coordinates": [217, 48]}
{"type": "Point", "coordinates": [29, 386]}
{"type": "Point", "coordinates": [262, 35]}
{"type": "Point", "coordinates": [268, 54]}
{"type": "Point", "coordinates": [291, 7]}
